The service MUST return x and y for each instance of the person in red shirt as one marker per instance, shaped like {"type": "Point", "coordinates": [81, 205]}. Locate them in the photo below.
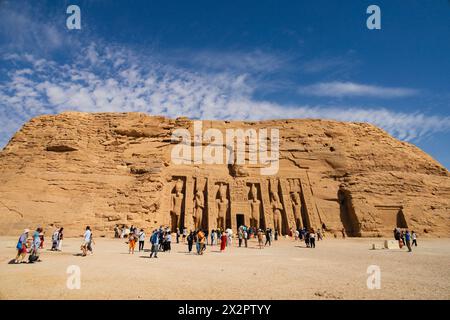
{"type": "Point", "coordinates": [223, 242]}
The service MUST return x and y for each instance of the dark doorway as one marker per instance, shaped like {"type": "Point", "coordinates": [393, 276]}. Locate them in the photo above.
{"type": "Point", "coordinates": [401, 221]}
{"type": "Point", "coordinates": [348, 217]}
{"type": "Point", "coordinates": [304, 212]}
{"type": "Point", "coordinates": [240, 220]}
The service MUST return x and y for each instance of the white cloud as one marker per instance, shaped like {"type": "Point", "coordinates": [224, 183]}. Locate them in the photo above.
{"type": "Point", "coordinates": [350, 89]}
{"type": "Point", "coordinates": [93, 82]}
{"type": "Point", "coordinates": [30, 28]}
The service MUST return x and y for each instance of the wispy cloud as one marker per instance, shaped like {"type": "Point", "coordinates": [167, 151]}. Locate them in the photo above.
{"type": "Point", "coordinates": [351, 89]}
{"type": "Point", "coordinates": [105, 78]}
{"type": "Point", "coordinates": [251, 62]}
{"type": "Point", "coordinates": [24, 27]}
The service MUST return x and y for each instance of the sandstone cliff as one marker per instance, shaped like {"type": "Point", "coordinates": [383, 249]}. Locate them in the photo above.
{"type": "Point", "coordinates": [103, 169]}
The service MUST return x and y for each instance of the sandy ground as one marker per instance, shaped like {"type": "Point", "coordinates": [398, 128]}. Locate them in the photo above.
{"type": "Point", "coordinates": [336, 269]}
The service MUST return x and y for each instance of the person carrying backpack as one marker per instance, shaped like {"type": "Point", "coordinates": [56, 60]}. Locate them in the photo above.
{"type": "Point", "coordinates": [21, 245]}
{"type": "Point", "coordinates": [154, 240]}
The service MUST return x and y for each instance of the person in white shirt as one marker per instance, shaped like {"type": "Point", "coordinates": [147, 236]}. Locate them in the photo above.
{"type": "Point", "coordinates": [414, 238]}
{"type": "Point", "coordinates": [86, 241]}
{"type": "Point", "coordinates": [55, 240]}
{"type": "Point", "coordinates": [141, 239]}
{"type": "Point", "coordinates": [312, 239]}
{"type": "Point", "coordinates": [229, 236]}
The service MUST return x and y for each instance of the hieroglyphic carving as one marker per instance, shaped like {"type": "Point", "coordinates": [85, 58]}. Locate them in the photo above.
{"type": "Point", "coordinates": [239, 192]}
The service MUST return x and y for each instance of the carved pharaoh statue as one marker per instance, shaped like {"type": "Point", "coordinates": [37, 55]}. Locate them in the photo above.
{"type": "Point", "coordinates": [297, 206]}
{"type": "Point", "coordinates": [222, 206]}
{"type": "Point", "coordinates": [276, 208]}
{"type": "Point", "coordinates": [177, 203]}
{"type": "Point", "coordinates": [199, 205]}
{"type": "Point", "coordinates": [255, 205]}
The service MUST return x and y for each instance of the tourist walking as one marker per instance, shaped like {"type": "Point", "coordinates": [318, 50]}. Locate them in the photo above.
{"type": "Point", "coordinates": [268, 237]}
{"type": "Point", "coordinates": [240, 236]}
{"type": "Point", "coordinates": [312, 239]}
{"type": "Point", "coordinates": [86, 241]}
{"type": "Point", "coordinates": [213, 237]}
{"type": "Point", "coordinates": [178, 235]}
{"type": "Point", "coordinates": [408, 240]}
{"type": "Point", "coordinates": [319, 235]}
{"type": "Point", "coordinates": [402, 237]}
{"type": "Point", "coordinates": [91, 242]}
{"type": "Point", "coordinates": [154, 240]}
{"type": "Point", "coordinates": [307, 238]}
{"type": "Point", "coordinates": [223, 242]}
{"type": "Point", "coordinates": [245, 237]}
{"type": "Point", "coordinates": [260, 238]}
{"type": "Point", "coordinates": [131, 242]}
{"type": "Point", "coordinates": [197, 241]}
{"type": "Point", "coordinates": [22, 246]}
{"type": "Point", "coordinates": [303, 233]}
{"type": "Point", "coordinates": [55, 238]}
{"type": "Point", "coordinates": [414, 238]}
{"type": "Point", "coordinates": [36, 244]}
{"type": "Point", "coordinates": [116, 231]}
{"type": "Point", "coordinates": [190, 241]}
{"type": "Point", "coordinates": [201, 241]}
{"type": "Point", "coordinates": [229, 233]}
{"type": "Point", "coordinates": [184, 234]}
{"type": "Point", "coordinates": [60, 239]}
{"type": "Point", "coordinates": [141, 236]}
{"type": "Point", "coordinates": [41, 238]}
{"type": "Point", "coordinates": [168, 240]}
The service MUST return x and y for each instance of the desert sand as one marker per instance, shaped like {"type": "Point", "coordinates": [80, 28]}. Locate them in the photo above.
{"type": "Point", "coordinates": [335, 269]}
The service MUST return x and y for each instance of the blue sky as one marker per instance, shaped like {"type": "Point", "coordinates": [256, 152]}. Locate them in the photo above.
{"type": "Point", "coordinates": [232, 60]}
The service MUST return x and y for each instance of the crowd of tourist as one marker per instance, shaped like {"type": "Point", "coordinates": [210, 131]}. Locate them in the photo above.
{"type": "Point", "coordinates": [404, 237]}
{"type": "Point", "coordinates": [30, 246]}
{"type": "Point", "coordinates": [161, 239]}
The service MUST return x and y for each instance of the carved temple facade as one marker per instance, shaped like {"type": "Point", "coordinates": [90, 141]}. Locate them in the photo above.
{"type": "Point", "coordinates": [211, 202]}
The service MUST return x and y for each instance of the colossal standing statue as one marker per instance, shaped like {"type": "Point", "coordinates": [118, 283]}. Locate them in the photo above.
{"type": "Point", "coordinates": [276, 207]}
{"type": "Point", "coordinates": [177, 204]}
{"type": "Point", "coordinates": [199, 205]}
{"type": "Point", "coordinates": [255, 205]}
{"type": "Point", "coordinates": [222, 206]}
{"type": "Point", "coordinates": [297, 206]}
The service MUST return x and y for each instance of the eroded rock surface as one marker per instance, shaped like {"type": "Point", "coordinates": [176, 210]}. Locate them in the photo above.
{"type": "Point", "coordinates": [102, 169]}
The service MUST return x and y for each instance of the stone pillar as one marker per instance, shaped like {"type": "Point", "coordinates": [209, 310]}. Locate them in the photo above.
{"type": "Point", "coordinates": [288, 209]}
{"type": "Point", "coordinates": [211, 199]}
{"type": "Point", "coordinates": [189, 203]}
{"type": "Point", "coordinates": [265, 201]}
{"type": "Point", "coordinates": [310, 204]}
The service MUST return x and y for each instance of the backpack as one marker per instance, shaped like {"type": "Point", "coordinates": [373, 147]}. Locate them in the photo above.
{"type": "Point", "coordinates": [153, 238]}
{"type": "Point", "coordinates": [33, 258]}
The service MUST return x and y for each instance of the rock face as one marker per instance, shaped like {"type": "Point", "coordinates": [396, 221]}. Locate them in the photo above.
{"type": "Point", "coordinates": [103, 169]}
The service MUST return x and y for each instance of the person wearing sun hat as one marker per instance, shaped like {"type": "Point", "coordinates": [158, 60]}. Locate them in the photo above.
{"type": "Point", "coordinates": [21, 244]}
